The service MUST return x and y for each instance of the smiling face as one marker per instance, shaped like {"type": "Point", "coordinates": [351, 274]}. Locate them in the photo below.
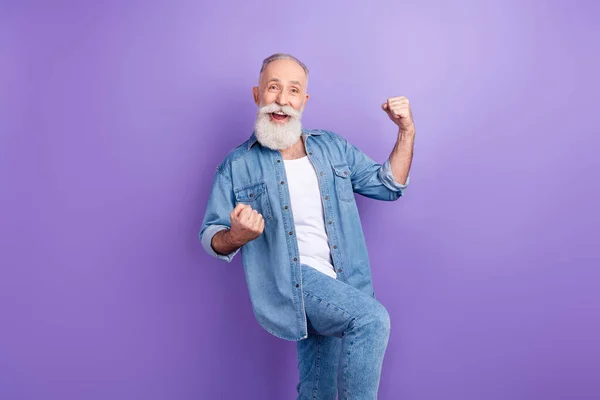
{"type": "Point", "coordinates": [281, 97]}
{"type": "Point", "coordinates": [282, 82]}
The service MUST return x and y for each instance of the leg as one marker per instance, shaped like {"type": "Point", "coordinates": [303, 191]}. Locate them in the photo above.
{"type": "Point", "coordinates": [318, 359]}
{"type": "Point", "coordinates": [339, 310]}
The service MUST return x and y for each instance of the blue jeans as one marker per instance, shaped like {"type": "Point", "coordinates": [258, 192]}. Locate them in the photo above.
{"type": "Point", "coordinates": [348, 335]}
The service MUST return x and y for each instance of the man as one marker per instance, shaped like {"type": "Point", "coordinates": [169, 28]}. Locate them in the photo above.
{"type": "Point", "coordinates": [285, 198]}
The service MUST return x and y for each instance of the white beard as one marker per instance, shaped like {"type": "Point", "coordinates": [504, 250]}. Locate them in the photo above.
{"type": "Point", "coordinates": [277, 136]}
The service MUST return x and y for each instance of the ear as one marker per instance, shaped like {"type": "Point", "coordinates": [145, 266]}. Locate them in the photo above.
{"type": "Point", "coordinates": [306, 98]}
{"type": "Point", "coordinates": [255, 93]}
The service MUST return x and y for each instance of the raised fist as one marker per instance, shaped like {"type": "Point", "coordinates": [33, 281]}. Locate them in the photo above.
{"type": "Point", "coordinates": [246, 224]}
{"type": "Point", "coordinates": [398, 109]}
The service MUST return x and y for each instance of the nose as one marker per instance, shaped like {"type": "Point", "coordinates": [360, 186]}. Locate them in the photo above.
{"type": "Point", "coordinates": [282, 98]}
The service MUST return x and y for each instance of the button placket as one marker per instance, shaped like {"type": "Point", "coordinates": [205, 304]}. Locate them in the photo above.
{"type": "Point", "coordinates": [286, 218]}
{"type": "Point", "coordinates": [327, 206]}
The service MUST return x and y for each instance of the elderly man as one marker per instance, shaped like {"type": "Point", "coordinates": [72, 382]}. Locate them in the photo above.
{"type": "Point", "coordinates": [285, 197]}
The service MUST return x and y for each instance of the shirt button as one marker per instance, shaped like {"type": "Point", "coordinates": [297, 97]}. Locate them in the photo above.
{"type": "Point", "coordinates": [291, 233]}
{"type": "Point", "coordinates": [286, 207]}
{"type": "Point", "coordinates": [345, 172]}
{"type": "Point", "coordinates": [326, 197]}
{"type": "Point", "coordinates": [278, 161]}
{"type": "Point", "coordinates": [295, 259]}
{"type": "Point", "coordinates": [339, 270]}
{"type": "Point", "coordinates": [335, 247]}
{"type": "Point", "coordinates": [282, 182]}
{"type": "Point", "coordinates": [297, 285]}
{"type": "Point", "coordinates": [321, 174]}
{"type": "Point", "coordinates": [310, 154]}
{"type": "Point", "coordinates": [330, 222]}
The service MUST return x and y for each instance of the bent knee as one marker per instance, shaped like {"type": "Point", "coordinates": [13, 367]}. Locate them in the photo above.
{"type": "Point", "coordinates": [383, 319]}
{"type": "Point", "coordinates": [378, 319]}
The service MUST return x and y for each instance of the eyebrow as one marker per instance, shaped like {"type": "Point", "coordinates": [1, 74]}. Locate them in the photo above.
{"type": "Point", "coordinates": [279, 81]}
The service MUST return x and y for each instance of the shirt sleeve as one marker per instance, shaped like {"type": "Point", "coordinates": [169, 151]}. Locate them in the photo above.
{"type": "Point", "coordinates": [217, 216]}
{"type": "Point", "coordinates": [387, 178]}
{"type": "Point", "coordinates": [370, 178]}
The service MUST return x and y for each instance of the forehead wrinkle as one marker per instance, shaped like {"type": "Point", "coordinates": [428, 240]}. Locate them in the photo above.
{"type": "Point", "coordinates": [295, 78]}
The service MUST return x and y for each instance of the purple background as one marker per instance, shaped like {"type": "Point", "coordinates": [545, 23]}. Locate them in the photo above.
{"type": "Point", "coordinates": [114, 116]}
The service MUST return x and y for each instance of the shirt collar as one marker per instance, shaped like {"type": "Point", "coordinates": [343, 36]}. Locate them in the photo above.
{"type": "Point", "coordinates": [305, 132]}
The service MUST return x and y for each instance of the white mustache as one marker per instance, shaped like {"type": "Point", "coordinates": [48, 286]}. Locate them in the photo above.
{"type": "Point", "coordinates": [273, 107]}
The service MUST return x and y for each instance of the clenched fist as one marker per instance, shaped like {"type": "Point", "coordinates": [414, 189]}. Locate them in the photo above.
{"type": "Point", "coordinates": [246, 224]}
{"type": "Point", "coordinates": [398, 109]}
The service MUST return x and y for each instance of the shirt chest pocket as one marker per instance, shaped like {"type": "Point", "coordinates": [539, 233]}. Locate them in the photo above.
{"type": "Point", "coordinates": [256, 196]}
{"type": "Point", "coordinates": [343, 183]}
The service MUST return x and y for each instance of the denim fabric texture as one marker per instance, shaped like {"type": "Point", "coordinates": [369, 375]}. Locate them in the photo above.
{"type": "Point", "coordinates": [255, 175]}
{"type": "Point", "coordinates": [348, 335]}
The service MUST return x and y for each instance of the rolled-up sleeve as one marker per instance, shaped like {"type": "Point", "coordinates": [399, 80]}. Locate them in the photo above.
{"type": "Point", "coordinates": [387, 178]}
{"type": "Point", "coordinates": [206, 238]}
{"type": "Point", "coordinates": [370, 178]}
{"type": "Point", "coordinates": [217, 216]}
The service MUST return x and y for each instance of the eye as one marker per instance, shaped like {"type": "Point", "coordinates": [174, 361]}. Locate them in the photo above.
{"type": "Point", "coordinates": [273, 87]}
{"type": "Point", "coordinates": [294, 90]}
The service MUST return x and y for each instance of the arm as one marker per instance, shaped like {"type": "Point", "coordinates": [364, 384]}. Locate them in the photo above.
{"type": "Point", "coordinates": [246, 225]}
{"type": "Point", "coordinates": [387, 181]}
{"type": "Point", "coordinates": [398, 109]}
{"type": "Point", "coordinates": [401, 156]}
{"type": "Point", "coordinates": [224, 231]}
{"type": "Point", "coordinates": [223, 244]}
{"type": "Point", "coordinates": [217, 217]}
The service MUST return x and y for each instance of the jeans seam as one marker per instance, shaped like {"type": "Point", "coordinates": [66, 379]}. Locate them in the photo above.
{"type": "Point", "coordinates": [345, 370]}
{"type": "Point", "coordinates": [317, 370]}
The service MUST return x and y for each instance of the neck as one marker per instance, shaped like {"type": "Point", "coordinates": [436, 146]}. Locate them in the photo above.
{"type": "Point", "coordinates": [295, 151]}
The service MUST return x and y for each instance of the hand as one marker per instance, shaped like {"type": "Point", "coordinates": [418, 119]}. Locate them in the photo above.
{"type": "Point", "coordinates": [246, 224]}
{"type": "Point", "coordinates": [398, 109]}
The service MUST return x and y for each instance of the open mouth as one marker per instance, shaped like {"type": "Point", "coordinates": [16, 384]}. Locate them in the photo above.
{"type": "Point", "coordinates": [279, 116]}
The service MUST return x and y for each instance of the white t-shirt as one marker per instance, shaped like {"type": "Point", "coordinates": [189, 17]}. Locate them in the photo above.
{"type": "Point", "coordinates": [309, 218]}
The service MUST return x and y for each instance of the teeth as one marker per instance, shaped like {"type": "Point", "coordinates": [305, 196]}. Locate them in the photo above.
{"type": "Point", "coordinates": [280, 113]}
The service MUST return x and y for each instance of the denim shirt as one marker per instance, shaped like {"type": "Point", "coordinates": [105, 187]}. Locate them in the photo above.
{"type": "Point", "coordinates": [255, 175]}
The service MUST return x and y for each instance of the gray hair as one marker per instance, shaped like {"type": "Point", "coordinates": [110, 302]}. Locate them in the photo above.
{"type": "Point", "coordinates": [282, 56]}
